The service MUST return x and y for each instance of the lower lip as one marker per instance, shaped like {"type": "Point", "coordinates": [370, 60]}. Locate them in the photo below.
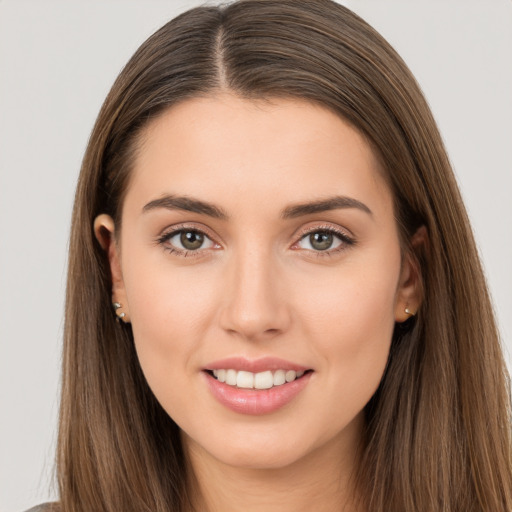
{"type": "Point", "coordinates": [256, 401]}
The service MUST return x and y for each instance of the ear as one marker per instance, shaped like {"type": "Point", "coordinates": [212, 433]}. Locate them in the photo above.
{"type": "Point", "coordinates": [104, 230]}
{"type": "Point", "coordinates": [410, 287]}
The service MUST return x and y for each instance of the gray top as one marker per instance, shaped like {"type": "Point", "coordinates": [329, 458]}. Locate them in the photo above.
{"type": "Point", "coordinates": [44, 507]}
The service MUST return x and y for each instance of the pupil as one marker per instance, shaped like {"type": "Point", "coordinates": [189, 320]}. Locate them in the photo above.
{"type": "Point", "coordinates": [191, 240]}
{"type": "Point", "coordinates": [321, 241]}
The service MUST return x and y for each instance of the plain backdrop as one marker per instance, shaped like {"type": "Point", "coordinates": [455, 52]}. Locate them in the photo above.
{"type": "Point", "coordinates": [57, 62]}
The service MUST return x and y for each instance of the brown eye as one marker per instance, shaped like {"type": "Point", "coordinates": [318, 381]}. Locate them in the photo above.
{"type": "Point", "coordinates": [191, 240]}
{"type": "Point", "coordinates": [187, 240]}
{"type": "Point", "coordinates": [321, 240]}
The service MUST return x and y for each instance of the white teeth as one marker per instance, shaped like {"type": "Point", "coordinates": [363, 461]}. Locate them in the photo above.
{"type": "Point", "coordinates": [245, 380]}
{"type": "Point", "coordinates": [279, 377]}
{"type": "Point", "coordinates": [261, 380]}
{"type": "Point", "coordinates": [231, 377]}
{"type": "Point", "coordinates": [290, 375]}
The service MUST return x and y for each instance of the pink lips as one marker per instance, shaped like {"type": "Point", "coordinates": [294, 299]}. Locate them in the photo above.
{"type": "Point", "coordinates": [255, 366]}
{"type": "Point", "coordinates": [255, 401]}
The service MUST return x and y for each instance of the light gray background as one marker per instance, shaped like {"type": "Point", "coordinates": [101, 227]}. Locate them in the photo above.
{"type": "Point", "coordinates": [57, 62]}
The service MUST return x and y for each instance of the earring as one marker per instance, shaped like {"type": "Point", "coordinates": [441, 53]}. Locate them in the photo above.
{"type": "Point", "coordinates": [120, 315]}
{"type": "Point", "coordinates": [408, 311]}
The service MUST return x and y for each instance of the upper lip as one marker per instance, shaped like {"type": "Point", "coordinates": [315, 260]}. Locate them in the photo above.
{"type": "Point", "coordinates": [254, 365]}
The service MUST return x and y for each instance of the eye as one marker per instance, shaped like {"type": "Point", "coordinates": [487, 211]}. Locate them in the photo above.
{"type": "Point", "coordinates": [324, 240]}
{"type": "Point", "coordinates": [186, 240]}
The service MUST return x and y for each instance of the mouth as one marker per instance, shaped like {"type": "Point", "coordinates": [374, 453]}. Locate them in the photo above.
{"type": "Point", "coordinates": [256, 386]}
{"type": "Point", "coordinates": [267, 379]}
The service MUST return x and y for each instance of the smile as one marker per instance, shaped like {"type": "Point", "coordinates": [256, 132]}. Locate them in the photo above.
{"type": "Point", "coordinates": [261, 380]}
{"type": "Point", "coordinates": [256, 387]}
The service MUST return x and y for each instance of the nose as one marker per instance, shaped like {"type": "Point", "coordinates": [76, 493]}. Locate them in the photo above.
{"type": "Point", "coordinates": [254, 307]}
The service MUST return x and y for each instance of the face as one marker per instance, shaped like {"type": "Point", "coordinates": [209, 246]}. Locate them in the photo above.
{"type": "Point", "coordinates": [260, 267]}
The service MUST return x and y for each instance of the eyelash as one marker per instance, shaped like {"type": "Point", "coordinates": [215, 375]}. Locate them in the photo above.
{"type": "Point", "coordinates": [346, 241]}
{"type": "Point", "coordinates": [165, 237]}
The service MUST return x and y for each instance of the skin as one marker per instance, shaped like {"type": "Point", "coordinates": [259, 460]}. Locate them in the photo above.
{"type": "Point", "coordinates": [260, 288]}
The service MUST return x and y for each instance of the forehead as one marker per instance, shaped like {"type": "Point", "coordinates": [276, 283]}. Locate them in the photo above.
{"type": "Point", "coordinates": [254, 150]}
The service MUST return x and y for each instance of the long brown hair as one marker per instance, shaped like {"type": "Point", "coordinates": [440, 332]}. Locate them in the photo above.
{"type": "Point", "coordinates": [438, 428]}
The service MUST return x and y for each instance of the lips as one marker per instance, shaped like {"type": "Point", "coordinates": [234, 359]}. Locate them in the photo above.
{"type": "Point", "coordinates": [256, 387]}
{"type": "Point", "coordinates": [256, 365]}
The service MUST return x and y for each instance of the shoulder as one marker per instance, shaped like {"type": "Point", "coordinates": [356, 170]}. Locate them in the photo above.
{"type": "Point", "coordinates": [45, 507]}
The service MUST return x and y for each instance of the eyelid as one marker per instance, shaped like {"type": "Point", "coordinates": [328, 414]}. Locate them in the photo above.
{"type": "Point", "coordinates": [313, 228]}
{"type": "Point", "coordinates": [191, 226]}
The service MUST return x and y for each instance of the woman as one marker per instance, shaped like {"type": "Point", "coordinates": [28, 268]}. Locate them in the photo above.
{"type": "Point", "coordinates": [267, 203]}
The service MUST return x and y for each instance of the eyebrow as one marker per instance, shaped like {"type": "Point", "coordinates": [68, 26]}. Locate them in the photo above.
{"type": "Point", "coordinates": [189, 204]}
{"type": "Point", "coordinates": [323, 205]}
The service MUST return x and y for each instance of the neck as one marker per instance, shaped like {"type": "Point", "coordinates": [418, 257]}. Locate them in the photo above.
{"type": "Point", "coordinates": [321, 480]}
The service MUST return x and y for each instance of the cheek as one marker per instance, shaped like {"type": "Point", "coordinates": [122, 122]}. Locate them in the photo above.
{"type": "Point", "coordinates": [163, 298]}
{"type": "Point", "coordinates": [167, 302]}
{"type": "Point", "coordinates": [169, 310]}
{"type": "Point", "coordinates": [351, 317]}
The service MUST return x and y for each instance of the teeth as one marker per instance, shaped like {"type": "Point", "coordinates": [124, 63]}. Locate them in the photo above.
{"type": "Point", "coordinates": [279, 377]}
{"type": "Point", "coordinates": [290, 375]}
{"type": "Point", "coordinates": [231, 377]}
{"type": "Point", "coordinates": [245, 380]}
{"type": "Point", "coordinates": [262, 380]}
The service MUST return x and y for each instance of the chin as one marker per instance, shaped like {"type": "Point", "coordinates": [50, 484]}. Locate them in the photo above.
{"type": "Point", "coordinates": [263, 450]}
{"type": "Point", "coordinates": [265, 447]}
{"type": "Point", "coordinates": [261, 458]}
